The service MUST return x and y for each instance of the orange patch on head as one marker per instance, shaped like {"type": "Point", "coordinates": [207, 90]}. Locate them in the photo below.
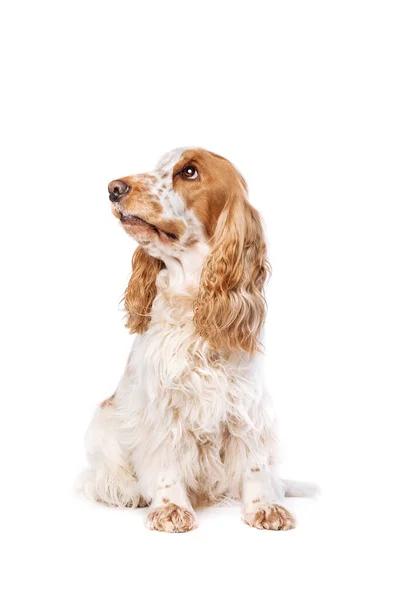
{"type": "Point", "coordinates": [143, 202]}
{"type": "Point", "coordinates": [208, 194]}
{"type": "Point", "coordinates": [141, 199]}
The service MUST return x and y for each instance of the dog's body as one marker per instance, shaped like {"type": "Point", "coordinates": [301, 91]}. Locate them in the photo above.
{"type": "Point", "coordinates": [190, 423]}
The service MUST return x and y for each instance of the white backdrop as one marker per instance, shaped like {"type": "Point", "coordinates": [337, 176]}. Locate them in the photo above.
{"type": "Point", "coordinates": [304, 98]}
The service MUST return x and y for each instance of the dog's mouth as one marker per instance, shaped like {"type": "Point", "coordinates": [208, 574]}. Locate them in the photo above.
{"type": "Point", "coordinates": [134, 220]}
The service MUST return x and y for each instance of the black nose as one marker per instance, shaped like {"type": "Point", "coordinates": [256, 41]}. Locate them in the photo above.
{"type": "Point", "coordinates": [117, 189]}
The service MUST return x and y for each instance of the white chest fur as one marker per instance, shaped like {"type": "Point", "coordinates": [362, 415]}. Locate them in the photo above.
{"type": "Point", "coordinates": [180, 397]}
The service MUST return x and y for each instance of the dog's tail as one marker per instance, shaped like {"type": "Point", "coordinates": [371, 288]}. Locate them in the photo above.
{"type": "Point", "coordinates": [300, 489]}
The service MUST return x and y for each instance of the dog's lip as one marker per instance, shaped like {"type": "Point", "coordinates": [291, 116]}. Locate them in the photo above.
{"type": "Point", "coordinates": [134, 219]}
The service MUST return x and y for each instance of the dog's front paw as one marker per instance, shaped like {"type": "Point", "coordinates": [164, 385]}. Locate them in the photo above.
{"type": "Point", "coordinates": [273, 517]}
{"type": "Point", "coordinates": [171, 518]}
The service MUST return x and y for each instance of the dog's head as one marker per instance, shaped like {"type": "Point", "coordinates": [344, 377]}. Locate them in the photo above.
{"type": "Point", "coordinates": [195, 198]}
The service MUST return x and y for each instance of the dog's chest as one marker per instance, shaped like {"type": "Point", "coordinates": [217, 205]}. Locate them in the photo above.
{"type": "Point", "coordinates": [178, 374]}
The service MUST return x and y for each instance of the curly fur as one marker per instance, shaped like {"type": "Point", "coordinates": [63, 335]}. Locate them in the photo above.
{"type": "Point", "coordinates": [141, 290]}
{"type": "Point", "coordinates": [230, 308]}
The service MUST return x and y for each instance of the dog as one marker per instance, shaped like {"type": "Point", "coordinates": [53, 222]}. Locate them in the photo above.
{"type": "Point", "coordinates": [190, 424]}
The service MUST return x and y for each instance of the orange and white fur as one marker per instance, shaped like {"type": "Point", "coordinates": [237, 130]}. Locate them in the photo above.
{"type": "Point", "coordinates": [190, 423]}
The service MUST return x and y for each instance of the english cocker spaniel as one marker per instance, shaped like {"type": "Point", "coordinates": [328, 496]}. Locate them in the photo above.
{"type": "Point", "coordinates": [190, 424]}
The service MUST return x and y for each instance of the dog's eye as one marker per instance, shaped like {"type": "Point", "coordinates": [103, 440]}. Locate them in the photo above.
{"type": "Point", "coordinates": [190, 172]}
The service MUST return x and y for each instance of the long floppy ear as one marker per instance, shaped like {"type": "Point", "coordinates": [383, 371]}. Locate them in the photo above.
{"type": "Point", "coordinates": [230, 309]}
{"type": "Point", "coordinates": [141, 290]}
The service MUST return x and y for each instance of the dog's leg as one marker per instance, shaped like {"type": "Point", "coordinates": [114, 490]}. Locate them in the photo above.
{"type": "Point", "coordinates": [260, 496]}
{"type": "Point", "coordinates": [110, 478]}
{"type": "Point", "coordinates": [171, 510]}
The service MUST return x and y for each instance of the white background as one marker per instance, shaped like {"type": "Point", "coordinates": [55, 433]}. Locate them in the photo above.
{"type": "Point", "coordinates": [304, 98]}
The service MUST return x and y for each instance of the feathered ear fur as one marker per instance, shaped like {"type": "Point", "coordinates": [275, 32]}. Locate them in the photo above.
{"type": "Point", "coordinates": [230, 308]}
{"type": "Point", "coordinates": [141, 290]}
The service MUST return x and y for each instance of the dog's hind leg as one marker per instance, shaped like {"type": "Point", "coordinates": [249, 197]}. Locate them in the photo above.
{"type": "Point", "coordinates": [111, 477]}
